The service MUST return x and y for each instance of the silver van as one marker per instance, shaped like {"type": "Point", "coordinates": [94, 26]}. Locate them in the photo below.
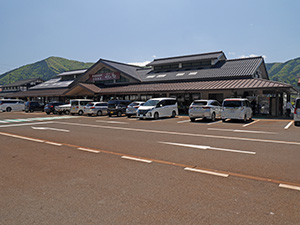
{"type": "Point", "coordinates": [8, 105]}
{"type": "Point", "coordinates": [77, 106]}
{"type": "Point", "coordinates": [236, 108]}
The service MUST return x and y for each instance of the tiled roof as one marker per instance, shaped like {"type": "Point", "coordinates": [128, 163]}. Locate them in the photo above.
{"type": "Point", "coordinates": [21, 82]}
{"type": "Point", "coordinates": [188, 58]}
{"type": "Point", "coordinates": [53, 83]}
{"type": "Point", "coordinates": [91, 87]}
{"type": "Point", "coordinates": [40, 93]}
{"type": "Point", "coordinates": [196, 86]}
{"type": "Point", "coordinates": [238, 68]}
{"type": "Point", "coordinates": [130, 70]}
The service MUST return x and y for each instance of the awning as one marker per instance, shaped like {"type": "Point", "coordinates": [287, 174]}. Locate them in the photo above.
{"type": "Point", "coordinates": [200, 86]}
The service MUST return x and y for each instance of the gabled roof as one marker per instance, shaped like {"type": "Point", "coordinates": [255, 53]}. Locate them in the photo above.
{"type": "Point", "coordinates": [22, 82]}
{"type": "Point", "coordinates": [187, 58]}
{"type": "Point", "coordinates": [129, 70]}
{"type": "Point", "coordinates": [228, 69]}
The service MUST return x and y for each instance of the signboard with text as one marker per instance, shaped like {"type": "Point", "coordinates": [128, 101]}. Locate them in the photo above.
{"type": "Point", "coordinates": [105, 76]}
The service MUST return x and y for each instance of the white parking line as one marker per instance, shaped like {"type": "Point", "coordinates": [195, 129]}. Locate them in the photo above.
{"type": "Point", "coordinates": [118, 122]}
{"type": "Point", "coordinates": [184, 134]}
{"type": "Point", "coordinates": [248, 124]}
{"type": "Point", "coordinates": [212, 123]}
{"type": "Point", "coordinates": [242, 131]}
{"type": "Point", "coordinates": [208, 148]}
{"type": "Point", "coordinates": [288, 125]}
{"type": "Point", "coordinates": [24, 124]}
{"type": "Point", "coordinates": [88, 150]}
{"type": "Point", "coordinates": [207, 172]}
{"type": "Point", "coordinates": [136, 159]}
{"type": "Point", "coordinates": [183, 121]}
{"type": "Point", "coordinates": [53, 143]}
{"type": "Point", "coordinates": [297, 188]}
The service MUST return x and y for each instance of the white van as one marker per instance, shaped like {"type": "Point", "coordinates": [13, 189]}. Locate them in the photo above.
{"type": "Point", "coordinates": [12, 105]}
{"type": "Point", "coordinates": [236, 108]}
{"type": "Point", "coordinates": [297, 112]}
{"type": "Point", "coordinates": [77, 105]}
{"type": "Point", "coordinates": [158, 107]}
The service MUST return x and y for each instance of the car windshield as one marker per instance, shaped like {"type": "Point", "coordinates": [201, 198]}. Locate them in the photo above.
{"type": "Point", "coordinates": [232, 103]}
{"type": "Point", "coordinates": [151, 103]}
{"type": "Point", "coordinates": [74, 103]}
{"type": "Point", "coordinates": [298, 103]}
{"type": "Point", "coordinates": [200, 103]}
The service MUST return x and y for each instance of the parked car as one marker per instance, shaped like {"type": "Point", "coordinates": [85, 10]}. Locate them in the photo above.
{"type": "Point", "coordinates": [95, 108]}
{"type": "Point", "coordinates": [206, 109]}
{"type": "Point", "coordinates": [236, 108]}
{"type": "Point", "coordinates": [117, 107]}
{"type": "Point", "coordinates": [63, 109]}
{"type": "Point", "coordinates": [158, 107]}
{"type": "Point", "coordinates": [9, 105]}
{"type": "Point", "coordinates": [50, 107]}
{"type": "Point", "coordinates": [34, 106]}
{"type": "Point", "coordinates": [77, 106]}
{"type": "Point", "coordinates": [132, 108]}
{"type": "Point", "coordinates": [297, 112]}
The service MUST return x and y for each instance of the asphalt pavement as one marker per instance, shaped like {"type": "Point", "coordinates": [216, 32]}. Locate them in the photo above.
{"type": "Point", "coordinates": [100, 170]}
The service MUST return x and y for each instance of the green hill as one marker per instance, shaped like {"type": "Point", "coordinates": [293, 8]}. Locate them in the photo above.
{"type": "Point", "coordinates": [44, 69]}
{"type": "Point", "coordinates": [288, 72]}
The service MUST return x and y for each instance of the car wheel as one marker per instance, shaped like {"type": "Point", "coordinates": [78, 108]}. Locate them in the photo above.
{"type": "Point", "coordinates": [245, 118]}
{"type": "Point", "coordinates": [67, 112]}
{"type": "Point", "coordinates": [156, 115]}
{"type": "Point", "coordinates": [213, 117]}
{"type": "Point", "coordinates": [99, 113]}
{"type": "Point", "coordinates": [296, 123]}
{"type": "Point", "coordinates": [31, 110]}
{"type": "Point", "coordinates": [128, 116]}
{"type": "Point", "coordinates": [80, 113]}
{"type": "Point", "coordinates": [223, 120]}
{"type": "Point", "coordinates": [173, 114]}
{"type": "Point", "coordinates": [109, 115]}
{"type": "Point", "coordinates": [192, 119]}
{"type": "Point", "coordinates": [48, 113]}
{"type": "Point", "coordinates": [8, 109]}
{"type": "Point", "coordinates": [119, 113]}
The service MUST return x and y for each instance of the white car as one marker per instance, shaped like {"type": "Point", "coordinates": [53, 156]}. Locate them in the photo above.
{"type": "Point", "coordinates": [60, 109]}
{"type": "Point", "coordinates": [132, 108]}
{"type": "Point", "coordinates": [236, 108]}
{"type": "Point", "coordinates": [95, 108]}
{"type": "Point", "coordinates": [297, 112]}
{"type": "Point", "coordinates": [158, 107]}
{"type": "Point", "coordinates": [77, 105]}
{"type": "Point", "coordinates": [9, 105]}
{"type": "Point", "coordinates": [206, 109]}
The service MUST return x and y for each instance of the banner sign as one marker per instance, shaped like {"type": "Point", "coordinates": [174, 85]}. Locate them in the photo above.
{"type": "Point", "coordinates": [105, 76]}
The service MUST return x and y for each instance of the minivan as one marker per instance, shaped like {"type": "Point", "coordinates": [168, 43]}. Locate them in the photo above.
{"type": "Point", "coordinates": [77, 106]}
{"type": "Point", "coordinates": [9, 105]}
{"type": "Point", "coordinates": [117, 107]}
{"type": "Point", "coordinates": [158, 107]}
{"type": "Point", "coordinates": [236, 108]}
{"type": "Point", "coordinates": [95, 108]}
{"type": "Point", "coordinates": [297, 112]}
{"type": "Point", "coordinates": [206, 109]}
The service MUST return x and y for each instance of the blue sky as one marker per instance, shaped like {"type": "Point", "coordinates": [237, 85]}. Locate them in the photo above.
{"type": "Point", "coordinates": [139, 30]}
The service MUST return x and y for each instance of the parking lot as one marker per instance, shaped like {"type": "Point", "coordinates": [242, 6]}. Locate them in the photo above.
{"type": "Point", "coordinates": [119, 170]}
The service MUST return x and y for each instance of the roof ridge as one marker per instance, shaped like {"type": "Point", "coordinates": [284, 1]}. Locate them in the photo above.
{"type": "Point", "coordinates": [255, 57]}
{"type": "Point", "coordinates": [125, 64]}
{"type": "Point", "coordinates": [201, 54]}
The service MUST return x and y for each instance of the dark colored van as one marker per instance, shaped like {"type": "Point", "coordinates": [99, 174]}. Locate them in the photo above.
{"type": "Point", "coordinates": [33, 106]}
{"type": "Point", "coordinates": [50, 107]}
{"type": "Point", "coordinates": [117, 107]}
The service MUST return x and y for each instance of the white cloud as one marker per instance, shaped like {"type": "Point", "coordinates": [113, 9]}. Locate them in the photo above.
{"type": "Point", "coordinates": [251, 55]}
{"type": "Point", "coordinates": [140, 63]}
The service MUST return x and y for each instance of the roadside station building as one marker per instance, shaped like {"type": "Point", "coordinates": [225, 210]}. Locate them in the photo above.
{"type": "Point", "coordinates": [200, 76]}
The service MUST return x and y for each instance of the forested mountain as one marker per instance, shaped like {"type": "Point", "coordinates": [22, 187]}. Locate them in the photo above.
{"type": "Point", "coordinates": [45, 69]}
{"type": "Point", "coordinates": [288, 72]}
